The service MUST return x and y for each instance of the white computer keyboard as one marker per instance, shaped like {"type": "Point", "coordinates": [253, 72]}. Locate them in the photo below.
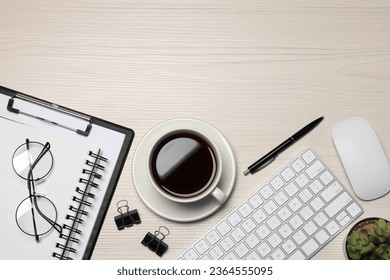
{"type": "Point", "coordinates": [292, 216]}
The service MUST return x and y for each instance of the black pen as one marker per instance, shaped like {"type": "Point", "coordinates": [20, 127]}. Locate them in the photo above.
{"type": "Point", "coordinates": [270, 157]}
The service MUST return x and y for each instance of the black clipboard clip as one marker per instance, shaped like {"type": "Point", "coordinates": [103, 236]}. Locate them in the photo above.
{"type": "Point", "coordinates": [126, 218]}
{"type": "Point", "coordinates": [51, 106]}
{"type": "Point", "coordinates": [155, 243]}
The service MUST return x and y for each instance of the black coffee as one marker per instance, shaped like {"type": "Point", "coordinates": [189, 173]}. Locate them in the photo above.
{"type": "Point", "coordinates": [183, 165]}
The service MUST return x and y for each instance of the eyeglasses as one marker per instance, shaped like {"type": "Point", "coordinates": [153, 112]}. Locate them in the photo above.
{"type": "Point", "coordinates": [36, 215]}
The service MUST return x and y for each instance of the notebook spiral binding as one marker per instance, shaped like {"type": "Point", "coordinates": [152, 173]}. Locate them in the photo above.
{"type": "Point", "coordinates": [79, 211]}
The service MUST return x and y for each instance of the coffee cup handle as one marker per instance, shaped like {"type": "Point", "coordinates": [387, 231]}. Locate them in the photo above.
{"type": "Point", "coordinates": [219, 195]}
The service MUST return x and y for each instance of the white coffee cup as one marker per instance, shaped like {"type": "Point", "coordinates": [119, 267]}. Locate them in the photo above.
{"type": "Point", "coordinates": [176, 158]}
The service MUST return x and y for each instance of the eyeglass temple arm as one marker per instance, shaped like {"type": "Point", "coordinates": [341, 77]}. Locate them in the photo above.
{"type": "Point", "coordinates": [55, 225]}
{"type": "Point", "coordinates": [31, 187]}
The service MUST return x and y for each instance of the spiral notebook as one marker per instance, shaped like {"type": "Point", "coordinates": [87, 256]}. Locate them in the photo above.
{"type": "Point", "coordinates": [59, 169]}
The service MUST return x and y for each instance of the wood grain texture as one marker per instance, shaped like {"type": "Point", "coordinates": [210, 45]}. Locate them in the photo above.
{"type": "Point", "coordinates": [256, 70]}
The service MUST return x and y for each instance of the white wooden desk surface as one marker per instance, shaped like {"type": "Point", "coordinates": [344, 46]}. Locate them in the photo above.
{"type": "Point", "coordinates": [256, 70]}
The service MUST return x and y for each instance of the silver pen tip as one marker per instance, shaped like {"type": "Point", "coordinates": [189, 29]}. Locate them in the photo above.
{"type": "Point", "coordinates": [247, 172]}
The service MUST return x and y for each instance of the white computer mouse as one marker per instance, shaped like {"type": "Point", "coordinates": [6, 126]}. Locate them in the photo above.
{"type": "Point", "coordinates": [363, 158]}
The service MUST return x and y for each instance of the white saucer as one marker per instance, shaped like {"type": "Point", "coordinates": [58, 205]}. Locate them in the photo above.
{"type": "Point", "coordinates": [175, 211]}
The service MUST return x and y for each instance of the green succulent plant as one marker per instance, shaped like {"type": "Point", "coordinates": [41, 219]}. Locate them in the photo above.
{"type": "Point", "coordinates": [375, 246]}
{"type": "Point", "coordinates": [382, 231]}
{"type": "Point", "coordinates": [359, 245]}
{"type": "Point", "coordinates": [381, 253]}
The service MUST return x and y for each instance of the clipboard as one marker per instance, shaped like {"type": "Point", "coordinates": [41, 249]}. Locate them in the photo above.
{"type": "Point", "coordinates": [75, 130]}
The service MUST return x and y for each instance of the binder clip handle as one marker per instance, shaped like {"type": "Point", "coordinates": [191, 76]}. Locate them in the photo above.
{"type": "Point", "coordinates": [158, 232]}
{"type": "Point", "coordinates": [122, 204]}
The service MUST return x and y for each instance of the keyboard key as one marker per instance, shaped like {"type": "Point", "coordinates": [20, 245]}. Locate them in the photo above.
{"type": "Point", "coordinates": [248, 225]}
{"type": "Point", "coordinates": [291, 189]}
{"type": "Point", "coordinates": [276, 183]}
{"type": "Point", "coordinates": [296, 222]}
{"type": "Point", "coordinates": [302, 180]}
{"type": "Point", "coordinates": [306, 213]}
{"type": "Point", "coordinates": [284, 213]}
{"type": "Point", "coordinates": [270, 207]}
{"type": "Point", "coordinates": [329, 193]}
{"type": "Point", "coordinates": [299, 237]}
{"type": "Point", "coordinates": [315, 169]}
{"type": "Point", "coordinates": [216, 253]}
{"type": "Point", "coordinates": [266, 192]}
{"type": "Point", "coordinates": [326, 178]}
{"type": "Point", "coordinates": [317, 204]}
{"type": "Point", "coordinates": [273, 222]}
{"type": "Point", "coordinates": [278, 255]}
{"type": "Point", "coordinates": [238, 234]}
{"type": "Point", "coordinates": [298, 165]}
{"type": "Point", "coordinates": [263, 231]}
{"type": "Point", "coordinates": [322, 236]}
{"type": "Point", "coordinates": [230, 256]}
{"type": "Point", "coordinates": [308, 156]}
{"type": "Point", "coordinates": [212, 237]}
{"type": "Point", "coordinates": [241, 250]}
{"type": "Point", "coordinates": [227, 243]}
{"type": "Point", "coordinates": [223, 228]}
{"type": "Point", "coordinates": [295, 204]}
{"type": "Point", "coordinates": [341, 216]}
{"type": "Point", "coordinates": [280, 198]}
{"type": "Point", "coordinates": [191, 255]}
{"type": "Point", "coordinates": [345, 221]}
{"type": "Point", "coordinates": [264, 249]}
{"type": "Point", "coordinates": [338, 204]}
{"type": "Point", "coordinates": [285, 231]}
{"type": "Point", "coordinates": [274, 240]}
{"type": "Point", "coordinates": [252, 241]}
{"type": "Point", "coordinates": [297, 256]}
{"type": "Point", "coordinates": [259, 216]}
{"type": "Point", "coordinates": [255, 201]}
{"type": "Point", "coordinates": [310, 228]}
{"type": "Point", "coordinates": [320, 219]}
{"type": "Point", "coordinates": [332, 227]}
{"type": "Point", "coordinates": [245, 210]}
{"type": "Point", "coordinates": [287, 174]}
{"type": "Point", "coordinates": [354, 209]}
{"type": "Point", "coordinates": [309, 247]}
{"type": "Point", "coordinates": [289, 246]}
{"type": "Point", "coordinates": [253, 256]}
{"type": "Point", "coordinates": [316, 186]}
{"type": "Point", "coordinates": [234, 219]}
{"type": "Point", "coordinates": [202, 246]}
{"type": "Point", "coordinates": [305, 195]}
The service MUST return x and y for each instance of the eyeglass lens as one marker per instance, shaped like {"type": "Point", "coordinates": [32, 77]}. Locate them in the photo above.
{"type": "Point", "coordinates": [24, 157]}
{"type": "Point", "coordinates": [27, 212]}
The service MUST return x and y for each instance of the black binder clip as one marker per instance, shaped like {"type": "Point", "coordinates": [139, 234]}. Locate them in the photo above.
{"type": "Point", "coordinates": [126, 218]}
{"type": "Point", "coordinates": [156, 244]}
